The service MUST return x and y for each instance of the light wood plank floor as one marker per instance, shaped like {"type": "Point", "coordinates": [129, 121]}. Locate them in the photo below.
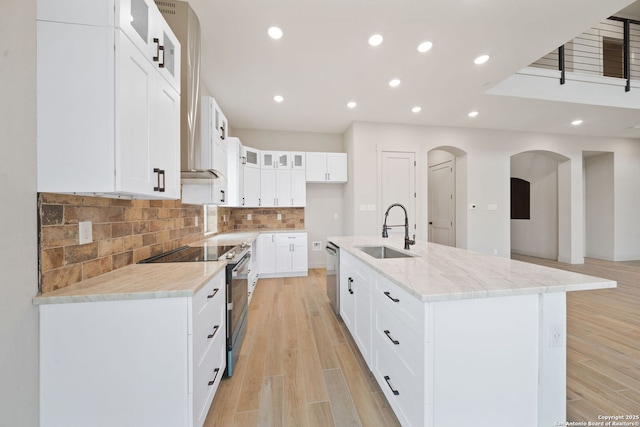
{"type": "Point", "coordinates": [298, 365]}
{"type": "Point", "coordinates": [603, 341]}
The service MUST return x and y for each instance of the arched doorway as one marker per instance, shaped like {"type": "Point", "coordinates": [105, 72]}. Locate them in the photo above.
{"type": "Point", "coordinates": [536, 232]}
{"type": "Point", "coordinates": [447, 196]}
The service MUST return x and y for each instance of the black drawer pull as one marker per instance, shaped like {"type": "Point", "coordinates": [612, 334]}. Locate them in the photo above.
{"type": "Point", "coordinates": [387, 333]}
{"type": "Point", "coordinates": [349, 282]}
{"type": "Point", "coordinates": [215, 329]}
{"type": "Point", "coordinates": [388, 294]}
{"type": "Point", "coordinates": [215, 291]}
{"type": "Point", "coordinates": [387, 379]}
{"type": "Point", "coordinates": [215, 371]}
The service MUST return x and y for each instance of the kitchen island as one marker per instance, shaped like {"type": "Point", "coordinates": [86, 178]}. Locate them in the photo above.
{"type": "Point", "coordinates": [458, 338]}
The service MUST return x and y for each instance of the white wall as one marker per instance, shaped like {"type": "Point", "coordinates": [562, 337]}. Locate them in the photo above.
{"type": "Point", "coordinates": [488, 178]}
{"type": "Point", "coordinates": [537, 236]}
{"type": "Point", "coordinates": [599, 207]}
{"type": "Point", "coordinates": [19, 374]}
{"type": "Point", "coordinates": [324, 213]}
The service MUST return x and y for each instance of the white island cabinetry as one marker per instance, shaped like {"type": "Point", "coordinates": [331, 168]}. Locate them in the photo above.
{"type": "Point", "coordinates": [108, 100]}
{"type": "Point", "coordinates": [132, 362]}
{"type": "Point", "coordinates": [451, 329]}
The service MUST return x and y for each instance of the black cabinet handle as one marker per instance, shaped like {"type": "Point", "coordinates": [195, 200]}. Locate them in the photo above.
{"type": "Point", "coordinates": [215, 291]}
{"type": "Point", "coordinates": [388, 334]}
{"type": "Point", "coordinates": [388, 294]}
{"type": "Point", "coordinates": [387, 379]}
{"type": "Point", "coordinates": [161, 64]}
{"type": "Point", "coordinates": [222, 133]}
{"type": "Point", "coordinates": [157, 42]}
{"type": "Point", "coordinates": [160, 173]}
{"type": "Point", "coordinates": [215, 329]}
{"type": "Point", "coordinates": [215, 371]}
{"type": "Point", "coordinates": [349, 282]}
{"type": "Point", "coordinates": [243, 201]}
{"type": "Point", "coordinates": [222, 199]}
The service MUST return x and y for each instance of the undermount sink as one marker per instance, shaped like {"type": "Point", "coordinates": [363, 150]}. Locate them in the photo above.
{"type": "Point", "coordinates": [383, 252]}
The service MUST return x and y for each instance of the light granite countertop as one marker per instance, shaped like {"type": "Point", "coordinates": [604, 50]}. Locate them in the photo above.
{"type": "Point", "coordinates": [441, 273]}
{"type": "Point", "coordinates": [142, 281]}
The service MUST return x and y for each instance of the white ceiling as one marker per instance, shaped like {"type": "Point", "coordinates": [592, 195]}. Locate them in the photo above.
{"type": "Point", "coordinates": [323, 61]}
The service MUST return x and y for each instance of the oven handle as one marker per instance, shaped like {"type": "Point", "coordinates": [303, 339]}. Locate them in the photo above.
{"type": "Point", "coordinates": [240, 267]}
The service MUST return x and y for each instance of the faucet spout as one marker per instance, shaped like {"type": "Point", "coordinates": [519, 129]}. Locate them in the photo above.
{"type": "Point", "coordinates": [386, 227]}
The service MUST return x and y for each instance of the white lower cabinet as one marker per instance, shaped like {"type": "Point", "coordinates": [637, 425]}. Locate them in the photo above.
{"type": "Point", "coordinates": [253, 271]}
{"type": "Point", "coordinates": [355, 302]}
{"type": "Point", "coordinates": [283, 254]}
{"type": "Point", "coordinates": [140, 362]}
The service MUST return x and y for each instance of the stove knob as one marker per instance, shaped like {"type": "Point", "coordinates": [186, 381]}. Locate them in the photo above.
{"type": "Point", "coordinates": [230, 255]}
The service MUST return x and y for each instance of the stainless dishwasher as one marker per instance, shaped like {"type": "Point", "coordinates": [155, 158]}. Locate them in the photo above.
{"type": "Point", "coordinates": [333, 276]}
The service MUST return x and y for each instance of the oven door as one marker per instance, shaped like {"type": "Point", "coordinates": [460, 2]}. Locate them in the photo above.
{"type": "Point", "coordinates": [237, 296]}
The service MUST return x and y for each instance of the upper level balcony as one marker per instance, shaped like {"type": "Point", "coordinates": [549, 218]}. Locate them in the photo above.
{"type": "Point", "coordinates": [599, 67]}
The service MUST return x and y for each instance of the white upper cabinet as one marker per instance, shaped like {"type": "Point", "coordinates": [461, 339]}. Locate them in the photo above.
{"type": "Point", "coordinates": [144, 25]}
{"type": "Point", "coordinates": [108, 120]}
{"type": "Point", "coordinates": [275, 160]}
{"type": "Point", "coordinates": [213, 145]}
{"type": "Point", "coordinates": [251, 157]}
{"type": "Point", "coordinates": [326, 167]}
{"type": "Point", "coordinates": [298, 160]}
{"type": "Point", "coordinates": [235, 169]}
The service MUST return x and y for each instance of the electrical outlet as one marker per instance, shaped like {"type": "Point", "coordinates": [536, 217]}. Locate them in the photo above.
{"type": "Point", "coordinates": [248, 217]}
{"type": "Point", "coordinates": [556, 335]}
{"type": "Point", "coordinates": [196, 221]}
{"type": "Point", "coordinates": [85, 232]}
{"type": "Point", "coordinates": [279, 217]}
{"type": "Point", "coordinates": [317, 246]}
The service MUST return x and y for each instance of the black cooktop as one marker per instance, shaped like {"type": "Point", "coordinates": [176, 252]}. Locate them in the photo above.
{"type": "Point", "coordinates": [190, 254]}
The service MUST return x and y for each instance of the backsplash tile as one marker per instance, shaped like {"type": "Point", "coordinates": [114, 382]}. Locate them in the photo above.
{"type": "Point", "coordinates": [124, 232]}
{"type": "Point", "coordinates": [127, 231]}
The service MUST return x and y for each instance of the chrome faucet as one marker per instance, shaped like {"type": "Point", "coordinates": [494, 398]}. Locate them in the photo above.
{"type": "Point", "coordinates": [385, 227]}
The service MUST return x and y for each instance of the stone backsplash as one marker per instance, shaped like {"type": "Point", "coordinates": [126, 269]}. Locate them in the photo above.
{"type": "Point", "coordinates": [126, 231]}
{"type": "Point", "coordinates": [267, 219]}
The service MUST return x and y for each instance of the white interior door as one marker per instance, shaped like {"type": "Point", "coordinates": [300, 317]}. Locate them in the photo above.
{"type": "Point", "coordinates": [442, 204]}
{"type": "Point", "coordinates": [398, 186]}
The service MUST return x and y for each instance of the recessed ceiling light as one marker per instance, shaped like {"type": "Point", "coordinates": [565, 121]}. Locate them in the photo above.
{"type": "Point", "coordinates": [275, 33]}
{"type": "Point", "coordinates": [394, 83]}
{"type": "Point", "coordinates": [416, 109]}
{"type": "Point", "coordinates": [473, 114]}
{"type": "Point", "coordinates": [576, 122]}
{"type": "Point", "coordinates": [375, 40]}
{"type": "Point", "coordinates": [278, 98]}
{"type": "Point", "coordinates": [351, 104]}
{"type": "Point", "coordinates": [481, 59]}
{"type": "Point", "coordinates": [424, 47]}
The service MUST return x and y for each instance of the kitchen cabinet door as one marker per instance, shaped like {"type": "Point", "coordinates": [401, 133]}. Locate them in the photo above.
{"type": "Point", "coordinates": [268, 187]}
{"type": "Point", "coordinates": [347, 295]}
{"type": "Point", "coordinates": [168, 62]}
{"type": "Point", "coordinates": [235, 177]}
{"type": "Point", "coordinates": [135, 103]}
{"type": "Point", "coordinates": [298, 160]}
{"type": "Point", "coordinates": [298, 188]}
{"type": "Point", "coordinates": [251, 157]}
{"type": "Point", "coordinates": [267, 253]}
{"type": "Point", "coordinates": [283, 187]}
{"type": "Point", "coordinates": [337, 167]}
{"type": "Point", "coordinates": [166, 155]}
{"type": "Point", "coordinates": [251, 190]}
{"type": "Point", "coordinates": [316, 167]}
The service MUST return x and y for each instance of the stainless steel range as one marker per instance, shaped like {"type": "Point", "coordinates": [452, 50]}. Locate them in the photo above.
{"type": "Point", "coordinates": [237, 271]}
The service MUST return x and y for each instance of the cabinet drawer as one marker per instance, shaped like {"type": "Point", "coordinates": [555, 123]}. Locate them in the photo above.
{"type": "Point", "coordinates": [209, 295]}
{"type": "Point", "coordinates": [208, 327]}
{"type": "Point", "coordinates": [389, 331]}
{"type": "Point", "coordinates": [405, 306]}
{"type": "Point", "coordinates": [207, 377]}
{"type": "Point", "coordinates": [403, 390]}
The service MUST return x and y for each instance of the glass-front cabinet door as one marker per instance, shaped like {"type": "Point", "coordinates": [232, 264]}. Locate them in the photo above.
{"type": "Point", "coordinates": [297, 160]}
{"type": "Point", "coordinates": [136, 21]}
{"type": "Point", "coordinates": [169, 47]}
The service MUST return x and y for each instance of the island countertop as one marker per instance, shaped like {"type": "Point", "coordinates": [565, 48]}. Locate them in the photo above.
{"type": "Point", "coordinates": [442, 273]}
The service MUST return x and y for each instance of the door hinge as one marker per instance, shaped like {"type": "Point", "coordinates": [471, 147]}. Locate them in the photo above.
{"type": "Point", "coordinates": [414, 163]}
{"type": "Point", "coordinates": [415, 195]}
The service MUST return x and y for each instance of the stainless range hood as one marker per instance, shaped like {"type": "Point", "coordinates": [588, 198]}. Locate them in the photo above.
{"type": "Point", "coordinates": [186, 26]}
